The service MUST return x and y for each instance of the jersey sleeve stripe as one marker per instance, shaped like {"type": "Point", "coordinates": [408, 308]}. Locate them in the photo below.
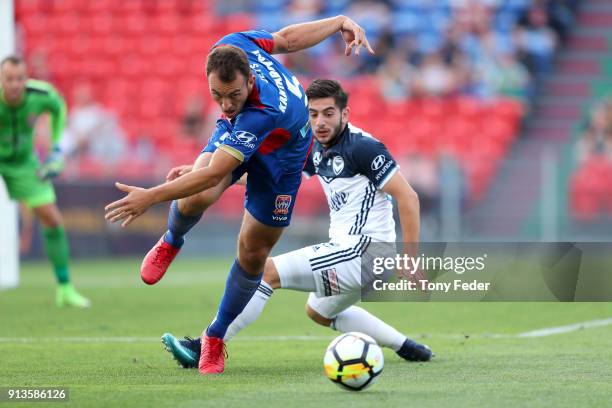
{"type": "Point", "coordinates": [388, 177]}
{"type": "Point", "coordinates": [232, 151]}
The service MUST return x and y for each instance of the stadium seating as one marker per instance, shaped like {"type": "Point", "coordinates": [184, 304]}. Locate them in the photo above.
{"type": "Point", "coordinates": [591, 190]}
{"type": "Point", "coordinates": [146, 61]}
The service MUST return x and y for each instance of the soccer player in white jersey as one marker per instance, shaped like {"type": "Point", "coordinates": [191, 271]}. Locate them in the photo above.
{"type": "Point", "coordinates": [358, 175]}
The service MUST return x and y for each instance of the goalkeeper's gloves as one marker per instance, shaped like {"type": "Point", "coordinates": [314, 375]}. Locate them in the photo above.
{"type": "Point", "coordinates": [53, 166]}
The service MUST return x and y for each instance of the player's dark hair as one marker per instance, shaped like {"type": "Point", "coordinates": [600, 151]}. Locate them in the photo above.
{"type": "Point", "coordinates": [12, 59]}
{"type": "Point", "coordinates": [326, 88]}
{"type": "Point", "coordinates": [225, 60]}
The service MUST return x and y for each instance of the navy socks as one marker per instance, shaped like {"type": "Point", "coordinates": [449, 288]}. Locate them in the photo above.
{"type": "Point", "coordinates": [179, 225]}
{"type": "Point", "coordinates": [239, 290]}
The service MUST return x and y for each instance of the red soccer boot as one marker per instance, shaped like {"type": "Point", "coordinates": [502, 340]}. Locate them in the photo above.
{"type": "Point", "coordinates": [156, 262]}
{"type": "Point", "coordinates": [212, 355]}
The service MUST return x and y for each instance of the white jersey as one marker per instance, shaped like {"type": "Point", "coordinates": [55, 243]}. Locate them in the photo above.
{"type": "Point", "coordinates": [352, 172]}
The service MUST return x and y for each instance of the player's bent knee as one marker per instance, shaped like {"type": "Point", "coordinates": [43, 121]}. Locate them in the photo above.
{"type": "Point", "coordinates": [270, 275]}
{"type": "Point", "coordinates": [253, 260]}
{"type": "Point", "coordinates": [316, 317]}
{"type": "Point", "coordinates": [252, 254]}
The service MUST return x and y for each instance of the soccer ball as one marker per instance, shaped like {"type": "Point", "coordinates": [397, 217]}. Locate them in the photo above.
{"type": "Point", "coordinates": [353, 361]}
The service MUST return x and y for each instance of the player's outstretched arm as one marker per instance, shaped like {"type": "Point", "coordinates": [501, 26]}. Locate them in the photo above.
{"type": "Point", "coordinates": [409, 215]}
{"type": "Point", "coordinates": [407, 205]}
{"type": "Point", "coordinates": [298, 37]}
{"type": "Point", "coordinates": [138, 199]}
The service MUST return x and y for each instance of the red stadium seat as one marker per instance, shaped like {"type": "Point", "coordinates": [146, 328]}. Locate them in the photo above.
{"type": "Point", "coordinates": [65, 24]}
{"type": "Point", "coordinates": [590, 189]}
{"type": "Point", "coordinates": [102, 24]}
{"type": "Point", "coordinates": [234, 23]}
{"type": "Point", "coordinates": [103, 5]}
{"type": "Point", "coordinates": [132, 6]}
{"type": "Point", "coordinates": [509, 109]}
{"type": "Point", "coordinates": [155, 46]}
{"type": "Point", "coordinates": [118, 46]}
{"type": "Point", "coordinates": [68, 6]}
{"type": "Point", "coordinates": [163, 24]}
{"type": "Point", "coordinates": [165, 7]}
{"type": "Point", "coordinates": [135, 24]}
{"type": "Point", "coordinates": [202, 24]}
{"type": "Point", "coordinates": [35, 24]}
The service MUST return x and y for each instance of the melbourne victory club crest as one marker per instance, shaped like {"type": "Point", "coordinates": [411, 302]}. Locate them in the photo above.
{"type": "Point", "coordinates": [338, 165]}
{"type": "Point", "coordinates": [282, 204]}
{"type": "Point", "coordinates": [316, 159]}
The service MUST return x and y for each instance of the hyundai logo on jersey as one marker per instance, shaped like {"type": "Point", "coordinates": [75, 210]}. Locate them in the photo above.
{"type": "Point", "coordinates": [245, 137]}
{"type": "Point", "coordinates": [378, 162]}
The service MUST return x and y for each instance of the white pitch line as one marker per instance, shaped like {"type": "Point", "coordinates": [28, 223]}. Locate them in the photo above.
{"type": "Point", "coordinates": [548, 331]}
{"type": "Point", "coordinates": [103, 340]}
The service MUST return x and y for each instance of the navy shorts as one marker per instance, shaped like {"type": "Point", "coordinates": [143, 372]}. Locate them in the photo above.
{"type": "Point", "coordinates": [270, 201]}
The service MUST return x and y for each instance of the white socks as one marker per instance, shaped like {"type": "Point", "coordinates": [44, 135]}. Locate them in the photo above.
{"type": "Point", "coordinates": [251, 311]}
{"type": "Point", "coordinates": [356, 319]}
{"type": "Point", "coordinates": [352, 319]}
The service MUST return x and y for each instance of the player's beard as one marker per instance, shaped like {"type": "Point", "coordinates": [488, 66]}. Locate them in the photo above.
{"type": "Point", "coordinates": [334, 134]}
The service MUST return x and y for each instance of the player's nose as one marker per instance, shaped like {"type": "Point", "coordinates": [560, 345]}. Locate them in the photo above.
{"type": "Point", "coordinates": [227, 105]}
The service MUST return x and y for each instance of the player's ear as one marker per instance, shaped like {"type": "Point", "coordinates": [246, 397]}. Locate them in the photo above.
{"type": "Point", "coordinates": [250, 82]}
{"type": "Point", "coordinates": [345, 114]}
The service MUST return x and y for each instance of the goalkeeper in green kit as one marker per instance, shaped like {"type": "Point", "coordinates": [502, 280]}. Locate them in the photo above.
{"type": "Point", "coordinates": [21, 102]}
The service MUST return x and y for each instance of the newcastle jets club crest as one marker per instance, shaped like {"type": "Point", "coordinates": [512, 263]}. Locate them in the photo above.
{"type": "Point", "coordinates": [282, 204]}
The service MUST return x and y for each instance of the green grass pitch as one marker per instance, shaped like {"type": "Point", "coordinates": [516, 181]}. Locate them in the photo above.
{"type": "Point", "coordinates": [111, 356]}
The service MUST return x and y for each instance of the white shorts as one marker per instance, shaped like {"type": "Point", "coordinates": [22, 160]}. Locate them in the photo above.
{"type": "Point", "coordinates": [327, 269]}
{"type": "Point", "coordinates": [330, 270]}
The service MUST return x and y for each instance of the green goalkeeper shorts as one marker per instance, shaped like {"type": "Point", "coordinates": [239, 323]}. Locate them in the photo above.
{"type": "Point", "coordinates": [24, 185]}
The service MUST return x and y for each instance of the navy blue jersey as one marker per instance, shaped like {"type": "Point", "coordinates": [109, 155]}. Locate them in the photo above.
{"type": "Point", "coordinates": [271, 134]}
{"type": "Point", "coordinates": [352, 172]}
{"type": "Point", "coordinates": [272, 128]}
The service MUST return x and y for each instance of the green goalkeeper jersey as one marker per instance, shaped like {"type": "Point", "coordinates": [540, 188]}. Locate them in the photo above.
{"type": "Point", "coordinates": [17, 122]}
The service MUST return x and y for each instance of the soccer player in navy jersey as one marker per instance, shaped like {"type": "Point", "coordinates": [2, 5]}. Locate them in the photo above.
{"type": "Point", "coordinates": [265, 133]}
{"type": "Point", "coordinates": [358, 175]}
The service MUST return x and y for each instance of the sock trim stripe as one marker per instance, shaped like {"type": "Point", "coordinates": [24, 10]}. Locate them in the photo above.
{"type": "Point", "coordinates": [265, 290]}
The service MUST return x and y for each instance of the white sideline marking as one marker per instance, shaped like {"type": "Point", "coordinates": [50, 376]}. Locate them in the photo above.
{"type": "Point", "coordinates": [548, 331]}
{"type": "Point", "coordinates": [103, 340]}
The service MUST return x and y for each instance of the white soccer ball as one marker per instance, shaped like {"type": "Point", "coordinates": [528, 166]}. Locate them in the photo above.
{"type": "Point", "coordinates": [353, 361]}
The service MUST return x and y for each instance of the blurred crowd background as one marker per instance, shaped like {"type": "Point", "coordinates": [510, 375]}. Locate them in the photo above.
{"type": "Point", "coordinates": [497, 110]}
